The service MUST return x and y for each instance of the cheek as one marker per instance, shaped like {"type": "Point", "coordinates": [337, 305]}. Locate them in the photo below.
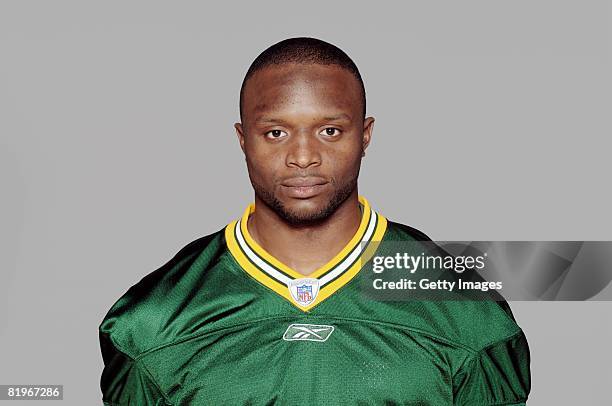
{"type": "Point", "coordinates": [262, 166]}
{"type": "Point", "coordinates": [345, 159]}
{"type": "Point", "coordinates": [258, 150]}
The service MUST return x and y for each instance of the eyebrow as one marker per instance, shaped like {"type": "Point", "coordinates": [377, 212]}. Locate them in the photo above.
{"type": "Point", "coordinates": [341, 116]}
{"type": "Point", "coordinates": [269, 120]}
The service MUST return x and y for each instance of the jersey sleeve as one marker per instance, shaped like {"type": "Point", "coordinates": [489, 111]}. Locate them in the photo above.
{"type": "Point", "coordinates": [499, 374]}
{"type": "Point", "coordinates": [124, 381]}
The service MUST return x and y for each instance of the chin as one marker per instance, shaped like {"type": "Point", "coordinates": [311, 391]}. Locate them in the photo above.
{"type": "Point", "coordinates": [304, 211]}
{"type": "Point", "coordinates": [304, 205]}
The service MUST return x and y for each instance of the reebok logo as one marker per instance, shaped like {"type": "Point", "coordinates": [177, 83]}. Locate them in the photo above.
{"type": "Point", "coordinates": [307, 332]}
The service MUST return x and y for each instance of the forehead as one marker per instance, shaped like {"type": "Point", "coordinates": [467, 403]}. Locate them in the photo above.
{"type": "Point", "coordinates": [302, 87]}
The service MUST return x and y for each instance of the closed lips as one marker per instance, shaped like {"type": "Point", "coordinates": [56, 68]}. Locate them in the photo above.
{"type": "Point", "coordinates": [304, 182]}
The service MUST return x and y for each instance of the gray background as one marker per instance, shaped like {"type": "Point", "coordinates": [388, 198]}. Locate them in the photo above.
{"type": "Point", "coordinates": [117, 149]}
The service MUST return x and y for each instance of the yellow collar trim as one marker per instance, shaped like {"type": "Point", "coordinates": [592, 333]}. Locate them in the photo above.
{"type": "Point", "coordinates": [271, 272]}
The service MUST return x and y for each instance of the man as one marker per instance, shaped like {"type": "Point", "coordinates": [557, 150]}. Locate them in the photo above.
{"type": "Point", "coordinates": [268, 309]}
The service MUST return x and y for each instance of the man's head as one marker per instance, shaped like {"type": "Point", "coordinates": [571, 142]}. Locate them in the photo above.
{"type": "Point", "coordinates": [303, 130]}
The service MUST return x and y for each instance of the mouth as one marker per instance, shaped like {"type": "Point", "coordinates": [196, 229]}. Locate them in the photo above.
{"type": "Point", "coordinates": [304, 188]}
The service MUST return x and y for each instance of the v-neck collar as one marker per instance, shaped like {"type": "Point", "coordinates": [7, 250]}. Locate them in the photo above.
{"type": "Point", "coordinates": [306, 291]}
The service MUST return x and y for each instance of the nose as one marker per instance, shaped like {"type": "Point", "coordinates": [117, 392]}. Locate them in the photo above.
{"type": "Point", "coordinates": [304, 150]}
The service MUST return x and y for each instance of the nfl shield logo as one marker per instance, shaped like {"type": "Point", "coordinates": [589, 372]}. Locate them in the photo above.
{"type": "Point", "coordinates": [304, 293]}
{"type": "Point", "coordinates": [304, 290]}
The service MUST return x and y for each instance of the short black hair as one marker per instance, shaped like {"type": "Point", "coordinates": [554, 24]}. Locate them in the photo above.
{"type": "Point", "coordinates": [304, 50]}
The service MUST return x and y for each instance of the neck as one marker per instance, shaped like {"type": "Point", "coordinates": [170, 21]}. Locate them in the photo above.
{"type": "Point", "coordinates": [305, 248]}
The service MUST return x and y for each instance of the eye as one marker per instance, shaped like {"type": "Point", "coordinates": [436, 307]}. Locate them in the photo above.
{"type": "Point", "coordinates": [275, 134]}
{"type": "Point", "coordinates": [331, 132]}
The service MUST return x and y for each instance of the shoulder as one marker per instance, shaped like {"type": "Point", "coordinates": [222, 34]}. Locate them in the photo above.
{"type": "Point", "coordinates": [401, 231]}
{"type": "Point", "coordinates": [138, 320]}
{"type": "Point", "coordinates": [468, 324]}
{"type": "Point", "coordinates": [474, 323]}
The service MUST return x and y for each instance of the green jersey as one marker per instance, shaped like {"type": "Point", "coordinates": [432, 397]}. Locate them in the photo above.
{"type": "Point", "coordinates": [226, 323]}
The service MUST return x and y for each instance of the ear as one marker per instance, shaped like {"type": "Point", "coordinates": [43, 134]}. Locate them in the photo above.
{"type": "Point", "coordinates": [240, 134]}
{"type": "Point", "coordinates": [368, 126]}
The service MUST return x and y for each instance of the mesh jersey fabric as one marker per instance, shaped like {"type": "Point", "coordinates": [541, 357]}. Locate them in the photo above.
{"type": "Point", "coordinates": [210, 327]}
